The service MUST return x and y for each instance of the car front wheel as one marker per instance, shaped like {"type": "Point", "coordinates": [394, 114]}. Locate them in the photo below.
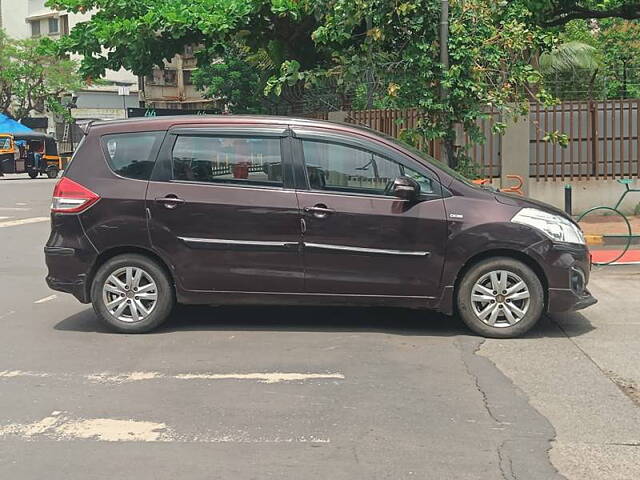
{"type": "Point", "coordinates": [132, 294]}
{"type": "Point", "coordinates": [500, 297]}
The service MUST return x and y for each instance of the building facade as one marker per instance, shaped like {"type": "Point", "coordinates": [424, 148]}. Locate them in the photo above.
{"type": "Point", "coordinates": [22, 19]}
{"type": "Point", "coordinates": [170, 86]}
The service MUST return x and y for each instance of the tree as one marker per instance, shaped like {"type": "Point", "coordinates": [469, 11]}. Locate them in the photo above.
{"type": "Point", "coordinates": [233, 77]}
{"type": "Point", "coordinates": [32, 78]}
{"type": "Point", "coordinates": [566, 68]}
{"type": "Point", "coordinates": [384, 50]}
{"type": "Point", "coordinates": [613, 44]}
{"type": "Point", "coordinates": [552, 13]}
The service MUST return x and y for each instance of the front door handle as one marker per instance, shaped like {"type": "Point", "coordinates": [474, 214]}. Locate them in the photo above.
{"type": "Point", "coordinates": [319, 211]}
{"type": "Point", "coordinates": [170, 201]}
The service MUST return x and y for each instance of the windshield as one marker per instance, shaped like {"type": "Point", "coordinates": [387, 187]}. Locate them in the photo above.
{"type": "Point", "coordinates": [430, 160]}
{"type": "Point", "coordinates": [5, 143]}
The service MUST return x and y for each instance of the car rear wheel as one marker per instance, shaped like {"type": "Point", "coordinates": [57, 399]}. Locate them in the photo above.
{"type": "Point", "coordinates": [132, 294]}
{"type": "Point", "coordinates": [500, 298]}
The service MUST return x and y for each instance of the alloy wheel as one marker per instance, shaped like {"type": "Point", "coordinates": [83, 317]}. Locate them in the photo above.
{"type": "Point", "coordinates": [500, 298]}
{"type": "Point", "coordinates": [130, 294]}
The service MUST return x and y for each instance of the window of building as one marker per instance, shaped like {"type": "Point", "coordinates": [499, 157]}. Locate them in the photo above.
{"type": "Point", "coordinates": [131, 155]}
{"type": "Point", "coordinates": [35, 28]}
{"type": "Point", "coordinates": [54, 25]}
{"type": "Point", "coordinates": [170, 77]}
{"type": "Point", "coordinates": [342, 168]}
{"type": "Point", "coordinates": [187, 77]}
{"type": "Point", "coordinates": [64, 24]}
{"type": "Point", "coordinates": [234, 160]}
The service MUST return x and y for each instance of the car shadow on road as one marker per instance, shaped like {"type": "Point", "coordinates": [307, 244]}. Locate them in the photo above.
{"type": "Point", "coordinates": [291, 319]}
{"type": "Point", "coordinates": [396, 321]}
{"type": "Point", "coordinates": [557, 325]}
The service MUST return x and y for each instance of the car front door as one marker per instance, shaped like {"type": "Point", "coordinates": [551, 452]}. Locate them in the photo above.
{"type": "Point", "coordinates": [222, 211]}
{"type": "Point", "coordinates": [359, 239]}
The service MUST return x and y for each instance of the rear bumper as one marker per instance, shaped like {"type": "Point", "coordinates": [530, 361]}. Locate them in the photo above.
{"type": "Point", "coordinates": [66, 273]}
{"type": "Point", "coordinates": [69, 256]}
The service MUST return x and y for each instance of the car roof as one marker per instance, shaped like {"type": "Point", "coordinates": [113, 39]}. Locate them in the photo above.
{"type": "Point", "coordinates": [149, 124]}
{"type": "Point", "coordinates": [166, 122]}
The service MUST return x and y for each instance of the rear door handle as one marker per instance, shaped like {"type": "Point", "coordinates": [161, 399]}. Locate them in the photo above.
{"type": "Point", "coordinates": [170, 201]}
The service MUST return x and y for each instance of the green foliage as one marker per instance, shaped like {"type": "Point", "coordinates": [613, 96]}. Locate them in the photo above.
{"type": "Point", "coordinates": [571, 57]}
{"type": "Point", "coordinates": [467, 167]}
{"type": "Point", "coordinates": [230, 78]}
{"type": "Point", "coordinates": [386, 51]}
{"type": "Point", "coordinates": [32, 77]}
{"type": "Point", "coordinates": [559, 12]}
{"type": "Point", "coordinates": [616, 50]}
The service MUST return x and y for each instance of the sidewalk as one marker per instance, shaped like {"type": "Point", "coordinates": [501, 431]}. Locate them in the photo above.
{"type": "Point", "coordinates": [582, 372]}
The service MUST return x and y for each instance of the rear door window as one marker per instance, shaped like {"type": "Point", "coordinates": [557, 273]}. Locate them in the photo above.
{"type": "Point", "coordinates": [132, 155]}
{"type": "Point", "coordinates": [228, 160]}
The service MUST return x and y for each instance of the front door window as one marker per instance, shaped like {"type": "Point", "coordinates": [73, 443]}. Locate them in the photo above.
{"type": "Point", "coordinates": [341, 168]}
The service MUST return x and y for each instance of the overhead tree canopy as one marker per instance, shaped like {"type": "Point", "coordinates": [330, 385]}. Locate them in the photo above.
{"type": "Point", "coordinates": [559, 12]}
{"type": "Point", "coordinates": [386, 51]}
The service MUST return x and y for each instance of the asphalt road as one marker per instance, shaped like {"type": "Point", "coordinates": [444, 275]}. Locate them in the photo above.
{"type": "Point", "coordinates": [253, 393]}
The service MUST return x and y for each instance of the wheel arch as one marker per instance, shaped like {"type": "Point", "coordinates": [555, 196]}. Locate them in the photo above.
{"type": "Point", "coordinates": [501, 252]}
{"type": "Point", "coordinates": [122, 250]}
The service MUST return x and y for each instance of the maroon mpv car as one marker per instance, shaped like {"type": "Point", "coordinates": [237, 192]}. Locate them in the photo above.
{"type": "Point", "coordinates": [267, 210]}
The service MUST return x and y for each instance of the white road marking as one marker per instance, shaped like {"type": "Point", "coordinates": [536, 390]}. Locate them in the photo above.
{"type": "Point", "coordinates": [20, 204]}
{"type": "Point", "coordinates": [21, 373]}
{"type": "Point", "coordinates": [46, 299]}
{"type": "Point", "coordinates": [267, 377]}
{"type": "Point", "coordinates": [118, 378]}
{"type": "Point", "coordinates": [60, 426]}
{"type": "Point", "coordinates": [4, 218]}
{"type": "Point", "coordinates": [275, 377]}
{"type": "Point", "coordinates": [15, 209]}
{"type": "Point", "coordinates": [24, 221]}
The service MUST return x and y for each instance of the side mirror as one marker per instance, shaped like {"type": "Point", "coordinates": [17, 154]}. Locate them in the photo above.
{"type": "Point", "coordinates": [406, 188]}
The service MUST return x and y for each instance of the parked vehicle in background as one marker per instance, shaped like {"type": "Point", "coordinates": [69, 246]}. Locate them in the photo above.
{"type": "Point", "coordinates": [269, 210]}
{"type": "Point", "coordinates": [32, 153]}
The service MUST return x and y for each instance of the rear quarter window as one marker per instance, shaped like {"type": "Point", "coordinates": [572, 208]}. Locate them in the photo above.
{"type": "Point", "coordinates": [132, 155]}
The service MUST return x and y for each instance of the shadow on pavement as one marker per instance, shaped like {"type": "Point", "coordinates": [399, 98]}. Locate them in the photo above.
{"type": "Point", "coordinates": [563, 325]}
{"type": "Point", "coordinates": [319, 319]}
{"type": "Point", "coordinates": [291, 319]}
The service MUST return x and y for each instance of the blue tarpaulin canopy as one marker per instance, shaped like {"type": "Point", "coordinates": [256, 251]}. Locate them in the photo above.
{"type": "Point", "coordinates": [11, 126]}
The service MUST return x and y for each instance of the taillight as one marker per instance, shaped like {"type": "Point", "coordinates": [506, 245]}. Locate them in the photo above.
{"type": "Point", "coordinates": [71, 197]}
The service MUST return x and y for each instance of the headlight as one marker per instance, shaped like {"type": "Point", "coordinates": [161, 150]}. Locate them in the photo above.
{"type": "Point", "coordinates": [554, 226]}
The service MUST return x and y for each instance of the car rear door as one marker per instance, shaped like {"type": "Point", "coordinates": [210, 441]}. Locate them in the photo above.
{"type": "Point", "coordinates": [222, 210]}
{"type": "Point", "coordinates": [358, 239]}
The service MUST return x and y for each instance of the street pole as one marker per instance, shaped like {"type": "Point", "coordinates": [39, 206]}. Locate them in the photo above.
{"type": "Point", "coordinates": [444, 91]}
{"type": "Point", "coordinates": [444, 44]}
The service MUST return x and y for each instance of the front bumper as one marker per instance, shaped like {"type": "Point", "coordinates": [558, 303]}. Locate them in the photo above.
{"type": "Point", "coordinates": [568, 269]}
{"type": "Point", "coordinates": [566, 300]}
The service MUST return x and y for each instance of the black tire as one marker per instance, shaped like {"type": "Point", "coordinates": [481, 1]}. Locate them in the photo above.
{"type": "Point", "coordinates": [52, 172]}
{"type": "Point", "coordinates": [32, 173]}
{"type": "Point", "coordinates": [476, 273]}
{"type": "Point", "coordinates": [165, 294]}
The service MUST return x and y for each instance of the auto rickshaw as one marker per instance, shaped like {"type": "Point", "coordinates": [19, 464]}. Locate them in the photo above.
{"type": "Point", "coordinates": [32, 153]}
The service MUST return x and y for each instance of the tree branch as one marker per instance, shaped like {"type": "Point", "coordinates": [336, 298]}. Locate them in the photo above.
{"type": "Point", "coordinates": [564, 14]}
